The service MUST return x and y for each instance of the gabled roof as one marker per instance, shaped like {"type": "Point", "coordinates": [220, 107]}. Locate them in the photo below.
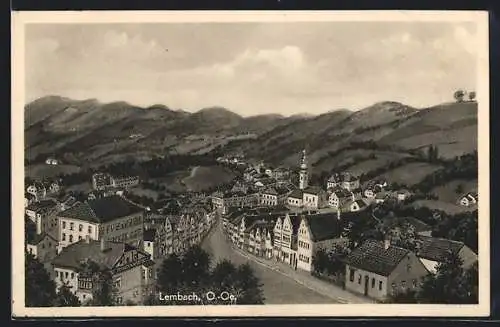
{"type": "Point", "coordinates": [296, 194]}
{"type": "Point", "coordinates": [73, 255]}
{"type": "Point", "coordinates": [295, 219]}
{"type": "Point", "coordinates": [35, 239]}
{"type": "Point", "coordinates": [419, 225]}
{"type": "Point", "coordinates": [437, 249]}
{"type": "Point", "coordinates": [316, 190]}
{"type": "Point", "coordinates": [324, 226]}
{"type": "Point", "coordinates": [102, 210]}
{"type": "Point", "coordinates": [373, 257]}
{"type": "Point", "coordinates": [42, 205]}
{"type": "Point", "coordinates": [342, 193]}
{"type": "Point", "coordinates": [270, 191]}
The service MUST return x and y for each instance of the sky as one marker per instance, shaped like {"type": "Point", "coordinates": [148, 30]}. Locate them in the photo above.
{"type": "Point", "coordinates": [252, 68]}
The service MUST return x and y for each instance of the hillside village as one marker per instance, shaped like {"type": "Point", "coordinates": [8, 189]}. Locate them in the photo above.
{"type": "Point", "coordinates": [378, 244]}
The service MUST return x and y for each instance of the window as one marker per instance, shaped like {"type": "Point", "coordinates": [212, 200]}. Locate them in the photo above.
{"type": "Point", "coordinates": [373, 282]}
{"type": "Point", "coordinates": [380, 285]}
{"type": "Point", "coordinates": [414, 283]}
{"type": "Point", "coordinates": [66, 274]}
{"type": "Point", "coordinates": [80, 227]}
{"type": "Point", "coordinates": [64, 225]}
{"type": "Point", "coordinates": [119, 300]}
{"type": "Point", "coordinates": [90, 229]}
{"type": "Point", "coordinates": [64, 237]}
{"type": "Point", "coordinates": [408, 267]}
{"type": "Point", "coordinates": [31, 250]}
{"type": "Point", "coordinates": [118, 283]}
{"type": "Point", "coordinates": [403, 283]}
{"type": "Point", "coordinates": [79, 237]}
{"type": "Point", "coordinates": [71, 238]}
{"type": "Point", "coordinates": [50, 244]}
{"type": "Point", "coordinates": [71, 225]}
{"type": "Point", "coordinates": [359, 279]}
{"type": "Point", "coordinates": [84, 296]}
{"type": "Point", "coordinates": [72, 275]}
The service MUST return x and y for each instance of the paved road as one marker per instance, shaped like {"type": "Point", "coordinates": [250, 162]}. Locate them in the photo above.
{"type": "Point", "coordinates": [278, 289]}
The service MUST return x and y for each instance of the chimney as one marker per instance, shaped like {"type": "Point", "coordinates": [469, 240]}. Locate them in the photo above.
{"type": "Point", "coordinates": [87, 239]}
{"type": "Point", "coordinates": [387, 243]}
{"type": "Point", "coordinates": [104, 244]}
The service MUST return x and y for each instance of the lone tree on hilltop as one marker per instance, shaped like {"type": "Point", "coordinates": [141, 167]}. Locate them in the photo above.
{"type": "Point", "coordinates": [459, 95]}
{"type": "Point", "coordinates": [472, 96]}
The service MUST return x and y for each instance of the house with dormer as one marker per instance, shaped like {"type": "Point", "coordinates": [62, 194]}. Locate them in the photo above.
{"type": "Point", "coordinates": [318, 231]}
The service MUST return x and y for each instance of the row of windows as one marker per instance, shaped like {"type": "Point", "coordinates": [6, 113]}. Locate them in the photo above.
{"type": "Point", "coordinates": [122, 225]}
{"type": "Point", "coordinates": [304, 245]}
{"type": "Point", "coordinates": [64, 274]}
{"type": "Point", "coordinates": [80, 227]}
{"type": "Point", "coordinates": [71, 238]}
{"type": "Point", "coordinates": [304, 258]}
{"type": "Point", "coordinates": [351, 278]}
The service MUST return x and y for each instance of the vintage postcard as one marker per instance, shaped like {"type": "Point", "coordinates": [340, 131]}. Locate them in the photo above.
{"type": "Point", "coordinates": [244, 164]}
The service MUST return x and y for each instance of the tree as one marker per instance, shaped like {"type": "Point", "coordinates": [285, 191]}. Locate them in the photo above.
{"type": "Point", "coordinates": [65, 298]}
{"type": "Point", "coordinates": [247, 288]}
{"type": "Point", "coordinates": [170, 274]}
{"type": "Point", "coordinates": [472, 95]}
{"type": "Point", "coordinates": [320, 261]}
{"type": "Point", "coordinates": [40, 289]}
{"type": "Point", "coordinates": [448, 285]}
{"type": "Point", "coordinates": [459, 95]}
{"type": "Point", "coordinates": [104, 293]}
{"type": "Point", "coordinates": [195, 268]}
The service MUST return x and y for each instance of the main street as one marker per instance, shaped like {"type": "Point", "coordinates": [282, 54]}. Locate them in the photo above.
{"type": "Point", "coordinates": [278, 288]}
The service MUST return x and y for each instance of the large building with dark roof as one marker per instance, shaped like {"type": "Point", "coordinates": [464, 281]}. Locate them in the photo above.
{"type": "Point", "coordinates": [380, 270]}
{"type": "Point", "coordinates": [113, 218]}
{"type": "Point", "coordinates": [318, 231]}
{"type": "Point", "coordinates": [132, 269]}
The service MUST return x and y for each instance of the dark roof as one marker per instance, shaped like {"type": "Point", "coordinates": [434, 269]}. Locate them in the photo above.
{"type": "Point", "coordinates": [342, 193]}
{"type": "Point", "coordinates": [34, 238]}
{"type": "Point", "coordinates": [149, 235]}
{"type": "Point", "coordinates": [419, 225]}
{"type": "Point", "coordinates": [361, 203]}
{"type": "Point", "coordinates": [313, 190]}
{"type": "Point", "coordinates": [29, 196]}
{"type": "Point", "coordinates": [373, 257]}
{"type": "Point", "coordinates": [295, 220]}
{"type": "Point", "coordinates": [324, 226]}
{"type": "Point", "coordinates": [296, 194]}
{"type": "Point", "coordinates": [42, 205]}
{"type": "Point", "coordinates": [437, 249]}
{"type": "Point", "coordinates": [102, 210]}
{"type": "Point", "coordinates": [271, 191]}
{"type": "Point", "coordinates": [73, 255]}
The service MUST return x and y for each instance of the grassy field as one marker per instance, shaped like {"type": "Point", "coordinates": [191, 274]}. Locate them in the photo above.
{"type": "Point", "coordinates": [383, 159]}
{"type": "Point", "coordinates": [410, 174]}
{"type": "Point", "coordinates": [202, 178]}
{"type": "Point", "coordinates": [49, 171]}
{"type": "Point", "coordinates": [447, 207]}
{"type": "Point", "coordinates": [447, 192]}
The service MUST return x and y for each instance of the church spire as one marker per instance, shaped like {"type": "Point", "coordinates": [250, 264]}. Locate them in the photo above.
{"type": "Point", "coordinates": [303, 161]}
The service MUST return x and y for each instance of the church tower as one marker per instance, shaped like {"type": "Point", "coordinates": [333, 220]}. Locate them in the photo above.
{"type": "Point", "coordinates": [303, 173]}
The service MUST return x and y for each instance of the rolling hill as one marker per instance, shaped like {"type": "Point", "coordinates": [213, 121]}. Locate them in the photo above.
{"type": "Point", "coordinates": [93, 132]}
